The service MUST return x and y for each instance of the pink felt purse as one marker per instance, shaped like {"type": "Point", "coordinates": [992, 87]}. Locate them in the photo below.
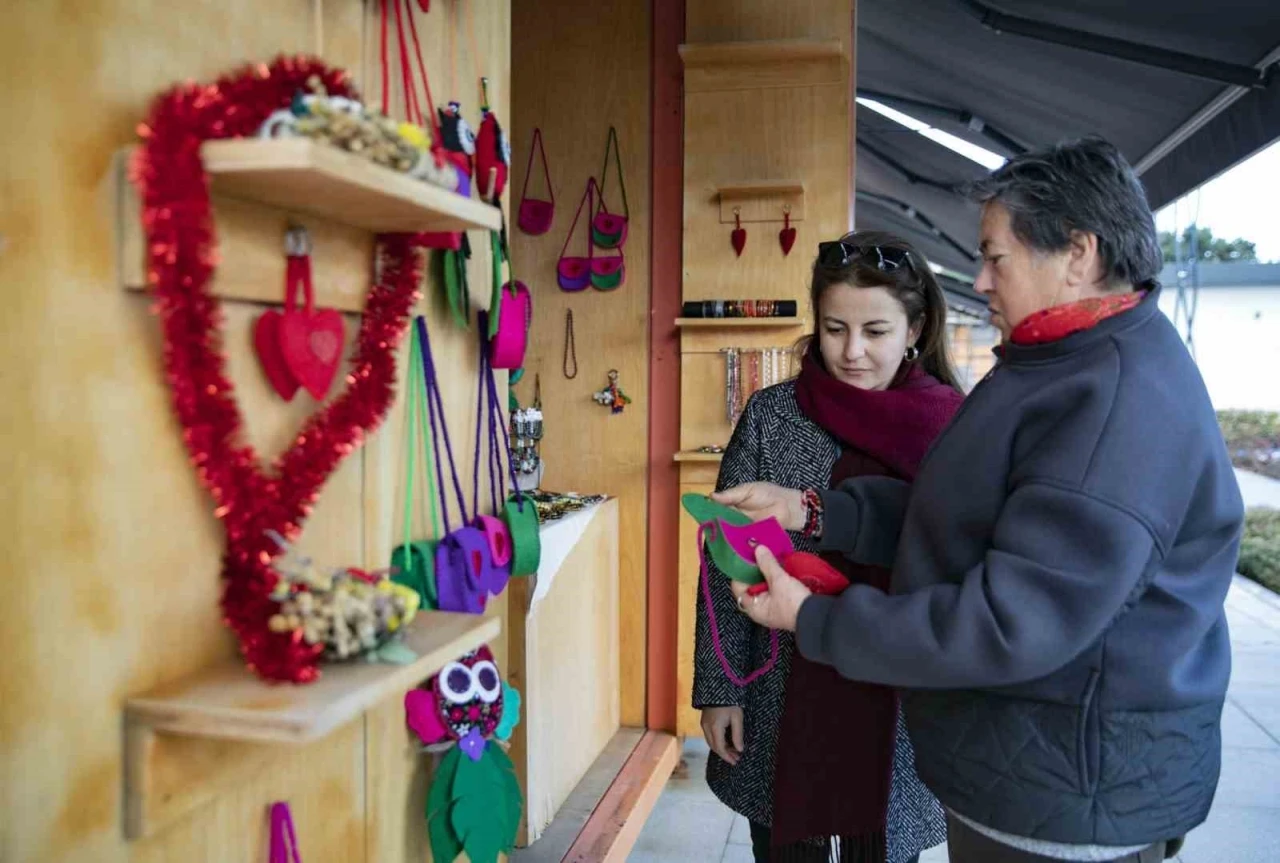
{"type": "Point", "coordinates": [744, 539]}
{"type": "Point", "coordinates": [574, 273]}
{"type": "Point", "coordinates": [514, 317]}
{"type": "Point", "coordinates": [534, 216]}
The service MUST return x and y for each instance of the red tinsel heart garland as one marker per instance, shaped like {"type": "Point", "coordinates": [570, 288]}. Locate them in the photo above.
{"type": "Point", "coordinates": [182, 254]}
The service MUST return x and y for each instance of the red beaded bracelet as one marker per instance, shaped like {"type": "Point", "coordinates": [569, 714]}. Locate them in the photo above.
{"type": "Point", "coordinates": [812, 513]}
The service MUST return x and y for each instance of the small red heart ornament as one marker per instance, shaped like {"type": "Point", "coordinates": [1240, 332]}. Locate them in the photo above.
{"type": "Point", "coordinates": [787, 237]}
{"type": "Point", "coordinates": [266, 342]}
{"type": "Point", "coordinates": [311, 343]}
{"type": "Point", "coordinates": [739, 240]}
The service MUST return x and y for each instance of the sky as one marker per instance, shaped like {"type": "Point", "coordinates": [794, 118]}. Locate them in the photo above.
{"type": "Point", "coordinates": [1243, 202]}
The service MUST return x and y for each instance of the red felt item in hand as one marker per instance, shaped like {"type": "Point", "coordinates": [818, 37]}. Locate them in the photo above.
{"type": "Point", "coordinates": [810, 570]}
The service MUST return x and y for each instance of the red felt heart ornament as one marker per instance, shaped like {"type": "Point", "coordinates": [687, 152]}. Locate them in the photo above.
{"type": "Point", "coordinates": [787, 236]}
{"type": "Point", "coordinates": [739, 236]}
{"type": "Point", "coordinates": [311, 343]}
{"type": "Point", "coordinates": [266, 343]}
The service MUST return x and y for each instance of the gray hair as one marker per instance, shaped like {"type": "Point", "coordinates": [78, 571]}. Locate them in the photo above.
{"type": "Point", "coordinates": [1083, 185]}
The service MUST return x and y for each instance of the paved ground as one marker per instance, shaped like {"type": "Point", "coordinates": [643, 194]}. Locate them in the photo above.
{"type": "Point", "coordinates": [689, 824]}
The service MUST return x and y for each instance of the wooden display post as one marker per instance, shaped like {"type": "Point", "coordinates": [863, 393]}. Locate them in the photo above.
{"type": "Point", "coordinates": [799, 89]}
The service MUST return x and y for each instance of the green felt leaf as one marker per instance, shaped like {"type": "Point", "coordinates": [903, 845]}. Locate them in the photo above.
{"type": "Point", "coordinates": [445, 843]}
{"type": "Point", "coordinates": [480, 815]}
{"type": "Point", "coordinates": [495, 302]}
{"type": "Point", "coordinates": [513, 800]}
{"type": "Point", "coordinates": [510, 712]}
{"type": "Point", "coordinates": [395, 653]}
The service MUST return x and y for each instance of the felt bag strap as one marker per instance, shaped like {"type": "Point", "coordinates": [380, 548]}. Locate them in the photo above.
{"type": "Point", "coordinates": [416, 436]}
{"type": "Point", "coordinates": [611, 146]}
{"type": "Point", "coordinates": [546, 170]}
{"type": "Point", "coordinates": [439, 429]}
{"type": "Point", "coordinates": [733, 676]}
{"type": "Point", "coordinates": [284, 841]}
{"type": "Point", "coordinates": [588, 201]}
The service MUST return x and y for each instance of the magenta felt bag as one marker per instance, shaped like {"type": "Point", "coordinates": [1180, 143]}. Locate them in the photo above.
{"type": "Point", "coordinates": [534, 216]}
{"type": "Point", "coordinates": [510, 342]}
{"type": "Point", "coordinates": [574, 273]}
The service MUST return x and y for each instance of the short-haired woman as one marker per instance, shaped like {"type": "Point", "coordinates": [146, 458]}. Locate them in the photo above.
{"type": "Point", "coordinates": [875, 388]}
{"type": "Point", "coordinates": [1061, 561]}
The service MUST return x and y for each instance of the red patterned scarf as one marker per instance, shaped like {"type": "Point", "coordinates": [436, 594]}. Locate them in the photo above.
{"type": "Point", "coordinates": [1049, 325]}
{"type": "Point", "coordinates": [836, 739]}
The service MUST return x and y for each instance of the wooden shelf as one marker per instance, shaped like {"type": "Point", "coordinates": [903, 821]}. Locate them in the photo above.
{"type": "Point", "coordinates": [761, 201]}
{"type": "Point", "coordinates": [190, 740]}
{"type": "Point", "coordinates": [761, 51]}
{"type": "Point", "coordinates": [739, 323]}
{"type": "Point", "coordinates": [695, 456]}
{"type": "Point", "coordinates": [306, 176]}
{"type": "Point", "coordinates": [760, 188]}
{"type": "Point", "coordinates": [229, 702]}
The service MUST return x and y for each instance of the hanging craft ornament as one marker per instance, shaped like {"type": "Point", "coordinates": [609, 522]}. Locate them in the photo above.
{"type": "Point", "coordinates": [452, 271]}
{"type": "Point", "coordinates": [266, 332]}
{"type": "Point", "coordinates": [515, 318]}
{"type": "Point", "coordinates": [612, 396]}
{"type": "Point", "coordinates": [535, 215]}
{"type": "Point", "coordinates": [739, 235]}
{"type": "Point", "coordinates": [181, 250]}
{"type": "Point", "coordinates": [787, 236]}
{"type": "Point", "coordinates": [310, 339]}
{"type": "Point", "coordinates": [466, 715]}
{"type": "Point", "coordinates": [570, 360]}
{"type": "Point", "coordinates": [493, 152]}
{"type": "Point", "coordinates": [574, 273]}
{"type": "Point", "coordinates": [609, 230]}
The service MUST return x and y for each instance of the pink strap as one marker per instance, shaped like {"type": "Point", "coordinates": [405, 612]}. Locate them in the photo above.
{"type": "Point", "coordinates": [546, 171]}
{"type": "Point", "coordinates": [284, 842]}
{"type": "Point", "coordinates": [715, 626]}
{"type": "Point", "coordinates": [588, 195]}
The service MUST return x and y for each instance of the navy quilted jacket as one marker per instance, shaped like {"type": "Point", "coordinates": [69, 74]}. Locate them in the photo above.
{"type": "Point", "coordinates": [1059, 572]}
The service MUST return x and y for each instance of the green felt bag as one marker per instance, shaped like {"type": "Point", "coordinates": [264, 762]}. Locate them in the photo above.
{"type": "Point", "coordinates": [707, 512]}
{"type": "Point", "coordinates": [414, 561]}
{"type": "Point", "coordinates": [521, 517]}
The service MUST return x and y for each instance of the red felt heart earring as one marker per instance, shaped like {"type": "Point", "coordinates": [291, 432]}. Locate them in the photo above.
{"type": "Point", "coordinates": [739, 235]}
{"type": "Point", "coordinates": [787, 236]}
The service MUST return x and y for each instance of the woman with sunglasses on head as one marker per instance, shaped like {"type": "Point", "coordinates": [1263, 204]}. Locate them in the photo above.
{"type": "Point", "coordinates": [1060, 564]}
{"type": "Point", "coordinates": [820, 766]}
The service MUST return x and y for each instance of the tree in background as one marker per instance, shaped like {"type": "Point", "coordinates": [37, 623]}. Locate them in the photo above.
{"type": "Point", "coordinates": [1208, 247]}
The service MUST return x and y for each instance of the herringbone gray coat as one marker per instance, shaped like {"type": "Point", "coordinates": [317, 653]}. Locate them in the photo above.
{"type": "Point", "coordinates": [774, 442]}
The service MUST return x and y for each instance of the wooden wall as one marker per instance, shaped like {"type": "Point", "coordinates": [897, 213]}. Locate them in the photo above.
{"type": "Point", "coordinates": [577, 67]}
{"type": "Point", "coordinates": [780, 120]}
{"type": "Point", "coordinates": [112, 554]}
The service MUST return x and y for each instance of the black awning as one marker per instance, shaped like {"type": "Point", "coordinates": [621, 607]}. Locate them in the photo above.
{"type": "Point", "coordinates": [937, 61]}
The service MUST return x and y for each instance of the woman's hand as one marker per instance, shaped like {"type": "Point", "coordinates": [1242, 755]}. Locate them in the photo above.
{"type": "Point", "coordinates": [722, 727]}
{"type": "Point", "coordinates": [779, 606]}
{"type": "Point", "coordinates": [761, 500]}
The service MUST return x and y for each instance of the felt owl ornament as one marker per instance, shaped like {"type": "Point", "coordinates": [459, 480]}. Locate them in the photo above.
{"type": "Point", "coordinates": [464, 713]}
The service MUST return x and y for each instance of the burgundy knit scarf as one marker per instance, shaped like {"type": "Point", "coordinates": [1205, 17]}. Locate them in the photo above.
{"type": "Point", "coordinates": [836, 739]}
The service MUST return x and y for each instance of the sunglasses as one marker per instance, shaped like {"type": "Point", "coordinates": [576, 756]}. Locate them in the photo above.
{"type": "Point", "coordinates": [886, 259]}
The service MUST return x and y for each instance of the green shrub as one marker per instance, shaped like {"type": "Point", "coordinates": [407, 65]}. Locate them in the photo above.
{"type": "Point", "coordinates": [1253, 439]}
{"type": "Point", "coordinates": [1260, 548]}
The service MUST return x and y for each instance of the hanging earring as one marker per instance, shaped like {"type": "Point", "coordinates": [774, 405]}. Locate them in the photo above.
{"type": "Point", "coordinates": [787, 236]}
{"type": "Point", "coordinates": [911, 354]}
{"type": "Point", "coordinates": [739, 235]}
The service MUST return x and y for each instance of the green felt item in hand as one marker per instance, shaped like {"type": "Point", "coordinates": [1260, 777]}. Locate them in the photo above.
{"type": "Point", "coordinates": [707, 512]}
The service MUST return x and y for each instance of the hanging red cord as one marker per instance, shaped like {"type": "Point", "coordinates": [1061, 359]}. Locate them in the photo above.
{"type": "Point", "coordinates": [383, 55]}
{"type": "Point", "coordinates": [406, 71]}
{"type": "Point", "coordinates": [426, 84]}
